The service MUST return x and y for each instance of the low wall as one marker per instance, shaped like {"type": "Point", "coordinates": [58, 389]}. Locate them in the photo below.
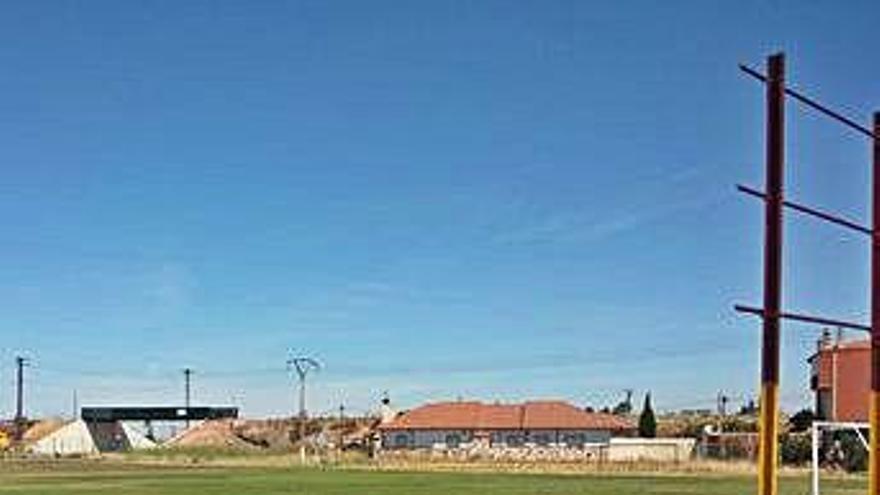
{"type": "Point", "coordinates": [477, 452]}
{"type": "Point", "coordinates": [656, 450]}
{"type": "Point", "coordinates": [651, 449]}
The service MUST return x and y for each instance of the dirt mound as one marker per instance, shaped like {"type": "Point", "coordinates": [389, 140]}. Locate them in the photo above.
{"type": "Point", "coordinates": [274, 434]}
{"type": "Point", "coordinates": [215, 434]}
{"type": "Point", "coordinates": [278, 435]}
{"type": "Point", "coordinates": [42, 429]}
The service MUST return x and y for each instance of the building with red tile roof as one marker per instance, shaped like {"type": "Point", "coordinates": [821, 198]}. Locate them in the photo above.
{"type": "Point", "coordinates": [451, 424]}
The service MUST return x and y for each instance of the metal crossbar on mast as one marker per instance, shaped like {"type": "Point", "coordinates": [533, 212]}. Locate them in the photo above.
{"type": "Point", "coordinates": [771, 313]}
{"type": "Point", "coordinates": [815, 105]}
{"type": "Point", "coordinates": [807, 210]}
{"type": "Point", "coordinates": [803, 318]}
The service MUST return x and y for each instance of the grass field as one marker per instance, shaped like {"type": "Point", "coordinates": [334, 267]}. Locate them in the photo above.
{"type": "Point", "coordinates": [133, 480]}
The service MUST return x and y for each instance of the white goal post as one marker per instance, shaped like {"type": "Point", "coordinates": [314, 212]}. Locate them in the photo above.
{"type": "Point", "coordinates": [818, 428]}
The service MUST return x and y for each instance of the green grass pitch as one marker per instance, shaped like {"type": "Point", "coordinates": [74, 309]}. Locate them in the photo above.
{"type": "Point", "coordinates": [130, 480]}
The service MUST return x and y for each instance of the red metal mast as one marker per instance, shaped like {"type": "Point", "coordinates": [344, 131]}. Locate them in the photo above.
{"type": "Point", "coordinates": [767, 461]}
{"type": "Point", "coordinates": [873, 457]}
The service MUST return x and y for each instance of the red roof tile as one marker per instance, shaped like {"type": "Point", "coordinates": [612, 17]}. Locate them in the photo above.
{"type": "Point", "coordinates": [527, 416]}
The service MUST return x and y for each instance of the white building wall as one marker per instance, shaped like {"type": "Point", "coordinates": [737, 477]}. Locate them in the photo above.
{"type": "Point", "coordinates": [73, 438]}
{"type": "Point", "coordinates": [137, 438]}
{"type": "Point", "coordinates": [651, 449]}
{"type": "Point", "coordinates": [566, 437]}
{"type": "Point", "coordinates": [425, 439]}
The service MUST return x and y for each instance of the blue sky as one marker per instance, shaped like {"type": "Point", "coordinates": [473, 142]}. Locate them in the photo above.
{"type": "Point", "coordinates": [487, 200]}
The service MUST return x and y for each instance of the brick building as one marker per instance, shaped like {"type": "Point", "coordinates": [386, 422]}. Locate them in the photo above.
{"type": "Point", "coordinates": [539, 423]}
{"type": "Point", "coordinates": [840, 379]}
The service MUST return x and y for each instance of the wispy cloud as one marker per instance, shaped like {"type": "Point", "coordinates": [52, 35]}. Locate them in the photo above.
{"type": "Point", "coordinates": [171, 285]}
{"type": "Point", "coordinates": [580, 227]}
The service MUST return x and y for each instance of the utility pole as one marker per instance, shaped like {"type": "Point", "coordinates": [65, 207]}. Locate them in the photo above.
{"type": "Point", "coordinates": [721, 403]}
{"type": "Point", "coordinates": [341, 428]}
{"type": "Point", "coordinates": [75, 410]}
{"type": "Point", "coordinates": [187, 377]}
{"type": "Point", "coordinates": [302, 365]}
{"type": "Point", "coordinates": [20, 363]}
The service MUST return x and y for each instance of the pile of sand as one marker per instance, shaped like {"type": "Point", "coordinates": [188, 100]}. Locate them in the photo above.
{"type": "Point", "coordinates": [279, 435]}
{"type": "Point", "coordinates": [42, 429]}
{"type": "Point", "coordinates": [269, 434]}
{"type": "Point", "coordinates": [215, 434]}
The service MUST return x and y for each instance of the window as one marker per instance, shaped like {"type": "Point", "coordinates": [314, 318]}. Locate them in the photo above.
{"type": "Point", "coordinates": [453, 441]}
{"type": "Point", "coordinates": [513, 440]}
{"type": "Point", "coordinates": [496, 438]}
{"type": "Point", "coordinates": [575, 439]}
{"type": "Point", "coordinates": [543, 439]}
{"type": "Point", "coordinates": [401, 440]}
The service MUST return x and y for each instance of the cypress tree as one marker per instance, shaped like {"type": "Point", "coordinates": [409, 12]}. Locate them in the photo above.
{"type": "Point", "coordinates": [647, 421]}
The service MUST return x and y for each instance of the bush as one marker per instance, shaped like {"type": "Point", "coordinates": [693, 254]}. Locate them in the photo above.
{"type": "Point", "coordinates": [795, 449]}
{"type": "Point", "coordinates": [855, 455]}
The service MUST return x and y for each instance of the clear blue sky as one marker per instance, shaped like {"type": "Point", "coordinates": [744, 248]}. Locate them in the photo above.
{"type": "Point", "coordinates": [496, 200]}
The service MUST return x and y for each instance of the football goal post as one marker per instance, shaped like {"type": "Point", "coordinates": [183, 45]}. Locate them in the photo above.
{"type": "Point", "coordinates": [834, 453]}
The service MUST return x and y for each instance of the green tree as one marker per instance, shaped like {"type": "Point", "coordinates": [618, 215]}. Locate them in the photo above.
{"type": "Point", "coordinates": [801, 421]}
{"type": "Point", "coordinates": [647, 421]}
{"type": "Point", "coordinates": [624, 407]}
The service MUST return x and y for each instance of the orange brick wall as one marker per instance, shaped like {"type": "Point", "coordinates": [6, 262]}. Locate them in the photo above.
{"type": "Point", "coordinates": [852, 383]}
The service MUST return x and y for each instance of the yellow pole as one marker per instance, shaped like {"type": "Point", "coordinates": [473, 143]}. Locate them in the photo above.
{"type": "Point", "coordinates": [767, 447]}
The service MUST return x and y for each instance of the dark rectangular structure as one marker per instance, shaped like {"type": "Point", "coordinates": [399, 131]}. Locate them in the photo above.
{"type": "Point", "coordinates": [105, 414]}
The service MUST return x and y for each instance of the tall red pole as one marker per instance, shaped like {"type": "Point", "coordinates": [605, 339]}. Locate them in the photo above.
{"type": "Point", "coordinates": [874, 454]}
{"type": "Point", "coordinates": [768, 453]}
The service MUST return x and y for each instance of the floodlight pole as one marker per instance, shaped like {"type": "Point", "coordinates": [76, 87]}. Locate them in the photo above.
{"type": "Point", "coordinates": [768, 443]}
{"type": "Point", "coordinates": [771, 312]}
{"type": "Point", "coordinates": [874, 451]}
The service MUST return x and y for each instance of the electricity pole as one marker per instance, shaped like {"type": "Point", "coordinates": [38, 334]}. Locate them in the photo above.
{"type": "Point", "coordinates": [187, 377]}
{"type": "Point", "coordinates": [20, 363]}
{"type": "Point", "coordinates": [302, 365]}
{"type": "Point", "coordinates": [721, 403]}
{"type": "Point", "coordinates": [341, 428]}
